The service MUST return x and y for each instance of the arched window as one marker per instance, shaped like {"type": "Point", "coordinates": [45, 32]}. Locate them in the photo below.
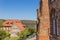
{"type": "Point", "coordinates": [54, 22]}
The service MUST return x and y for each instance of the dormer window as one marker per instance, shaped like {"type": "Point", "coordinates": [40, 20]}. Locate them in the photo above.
{"type": "Point", "coordinates": [17, 21]}
{"type": "Point", "coordinates": [7, 23]}
{"type": "Point", "coordinates": [11, 23]}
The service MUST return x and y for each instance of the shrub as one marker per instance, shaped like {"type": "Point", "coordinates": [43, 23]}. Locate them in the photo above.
{"type": "Point", "coordinates": [3, 34]}
{"type": "Point", "coordinates": [27, 32]}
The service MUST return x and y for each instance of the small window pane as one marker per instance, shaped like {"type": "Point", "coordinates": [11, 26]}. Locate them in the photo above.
{"type": "Point", "coordinates": [52, 0]}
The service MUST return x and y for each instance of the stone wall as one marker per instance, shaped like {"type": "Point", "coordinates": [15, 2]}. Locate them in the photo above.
{"type": "Point", "coordinates": [49, 12]}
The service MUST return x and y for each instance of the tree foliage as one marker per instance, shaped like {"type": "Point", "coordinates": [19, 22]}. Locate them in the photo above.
{"type": "Point", "coordinates": [3, 34]}
{"type": "Point", "coordinates": [24, 34]}
{"type": "Point", "coordinates": [1, 24]}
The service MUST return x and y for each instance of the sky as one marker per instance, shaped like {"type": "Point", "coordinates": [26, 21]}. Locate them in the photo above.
{"type": "Point", "coordinates": [19, 9]}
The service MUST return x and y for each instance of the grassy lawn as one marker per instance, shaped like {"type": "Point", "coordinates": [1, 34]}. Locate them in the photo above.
{"type": "Point", "coordinates": [13, 38]}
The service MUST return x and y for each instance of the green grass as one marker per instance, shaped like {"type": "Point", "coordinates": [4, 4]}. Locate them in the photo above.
{"type": "Point", "coordinates": [13, 38]}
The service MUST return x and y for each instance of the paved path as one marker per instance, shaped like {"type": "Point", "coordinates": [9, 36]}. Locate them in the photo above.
{"type": "Point", "coordinates": [33, 38]}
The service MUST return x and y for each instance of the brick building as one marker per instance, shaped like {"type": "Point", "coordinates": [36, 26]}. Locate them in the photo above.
{"type": "Point", "coordinates": [49, 20]}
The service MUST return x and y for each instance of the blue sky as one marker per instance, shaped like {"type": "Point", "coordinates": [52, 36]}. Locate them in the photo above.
{"type": "Point", "coordinates": [19, 9]}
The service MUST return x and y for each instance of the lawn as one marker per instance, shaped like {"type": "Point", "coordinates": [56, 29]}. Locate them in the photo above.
{"type": "Point", "coordinates": [11, 38]}
{"type": "Point", "coordinates": [14, 38]}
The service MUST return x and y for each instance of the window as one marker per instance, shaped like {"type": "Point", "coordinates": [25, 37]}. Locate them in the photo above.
{"type": "Point", "coordinates": [11, 23]}
{"type": "Point", "coordinates": [7, 23]}
{"type": "Point", "coordinates": [54, 23]}
{"type": "Point", "coordinates": [55, 26]}
{"type": "Point", "coordinates": [4, 28]}
{"type": "Point", "coordinates": [14, 27]}
{"type": "Point", "coordinates": [52, 0]}
{"type": "Point", "coordinates": [7, 28]}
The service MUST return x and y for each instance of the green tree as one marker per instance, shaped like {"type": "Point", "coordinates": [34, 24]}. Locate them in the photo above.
{"type": "Point", "coordinates": [24, 34]}
{"type": "Point", "coordinates": [1, 24]}
{"type": "Point", "coordinates": [3, 34]}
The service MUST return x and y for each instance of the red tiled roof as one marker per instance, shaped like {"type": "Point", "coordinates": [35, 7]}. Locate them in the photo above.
{"type": "Point", "coordinates": [11, 22]}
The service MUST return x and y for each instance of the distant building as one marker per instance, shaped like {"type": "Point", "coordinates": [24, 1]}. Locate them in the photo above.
{"type": "Point", "coordinates": [13, 26]}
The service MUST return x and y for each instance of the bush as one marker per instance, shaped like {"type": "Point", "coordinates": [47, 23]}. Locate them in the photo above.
{"type": "Point", "coordinates": [27, 32]}
{"type": "Point", "coordinates": [3, 34]}
{"type": "Point", "coordinates": [13, 38]}
{"type": "Point", "coordinates": [1, 22]}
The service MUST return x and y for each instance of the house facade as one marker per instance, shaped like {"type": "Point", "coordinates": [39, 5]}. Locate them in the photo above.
{"type": "Point", "coordinates": [13, 26]}
{"type": "Point", "coordinates": [49, 20]}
